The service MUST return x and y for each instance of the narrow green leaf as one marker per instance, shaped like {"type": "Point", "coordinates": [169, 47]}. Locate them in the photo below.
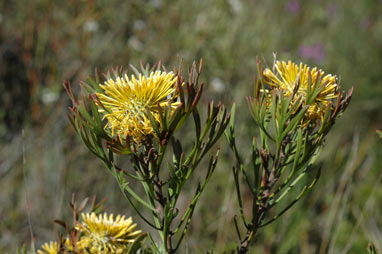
{"type": "Point", "coordinates": [153, 123]}
{"type": "Point", "coordinates": [299, 196]}
{"type": "Point", "coordinates": [235, 172]}
{"type": "Point", "coordinates": [298, 151]}
{"type": "Point", "coordinates": [196, 117]}
{"type": "Point", "coordinates": [256, 166]}
{"type": "Point", "coordinates": [137, 244]}
{"type": "Point", "coordinates": [233, 117]}
{"type": "Point", "coordinates": [126, 187]}
{"type": "Point", "coordinates": [156, 249]}
{"type": "Point", "coordinates": [294, 122]}
{"type": "Point", "coordinates": [95, 85]}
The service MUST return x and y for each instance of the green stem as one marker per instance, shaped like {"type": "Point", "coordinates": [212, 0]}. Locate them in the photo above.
{"type": "Point", "coordinates": [153, 204]}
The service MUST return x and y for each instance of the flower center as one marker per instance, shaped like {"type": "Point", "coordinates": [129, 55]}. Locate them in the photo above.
{"type": "Point", "coordinates": [135, 108]}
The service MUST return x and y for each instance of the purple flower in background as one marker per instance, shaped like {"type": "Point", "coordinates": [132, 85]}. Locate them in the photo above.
{"type": "Point", "coordinates": [365, 23]}
{"type": "Point", "coordinates": [332, 10]}
{"type": "Point", "coordinates": [293, 6]}
{"type": "Point", "coordinates": [315, 52]}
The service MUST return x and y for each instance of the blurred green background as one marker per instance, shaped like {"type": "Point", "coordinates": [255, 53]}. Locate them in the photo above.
{"type": "Point", "coordinates": [42, 161]}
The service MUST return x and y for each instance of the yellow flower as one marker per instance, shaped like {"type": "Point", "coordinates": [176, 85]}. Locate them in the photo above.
{"type": "Point", "coordinates": [125, 101]}
{"type": "Point", "coordinates": [49, 248]}
{"type": "Point", "coordinates": [104, 235]}
{"type": "Point", "coordinates": [290, 75]}
{"type": "Point", "coordinates": [53, 247]}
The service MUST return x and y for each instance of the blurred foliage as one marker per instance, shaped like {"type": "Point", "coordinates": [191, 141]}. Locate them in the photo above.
{"type": "Point", "coordinates": [42, 162]}
{"type": "Point", "coordinates": [371, 249]}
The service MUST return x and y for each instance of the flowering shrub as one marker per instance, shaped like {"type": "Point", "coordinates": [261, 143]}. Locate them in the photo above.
{"type": "Point", "coordinates": [294, 108]}
{"type": "Point", "coordinates": [142, 115]}
{"type": "Point", "coordinates": [138, 116]}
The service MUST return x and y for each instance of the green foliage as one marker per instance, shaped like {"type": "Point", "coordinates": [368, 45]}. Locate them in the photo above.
{"type": "Point", "coordinates": [22, 250]}
{"type": "Point", "coordinates": [371, 249]}
{"type": "Point", "coordinates": [379, 132]}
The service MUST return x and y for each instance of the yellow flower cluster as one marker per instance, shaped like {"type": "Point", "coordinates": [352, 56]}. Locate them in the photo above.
{"type": "Point", "coordinates": [49, 248]}
{"type": "Point", "coordinates": [53, 247]}
{"type": "Point", "coordinates": [289, 75]}
{"type": "Point", "coordinates": [126, 100]}
{"type": "Point", "coordinates": [105, 235]}
{"type": "Point", "coordinates": [100, 234]}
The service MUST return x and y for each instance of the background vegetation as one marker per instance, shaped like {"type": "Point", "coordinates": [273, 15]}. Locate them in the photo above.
{"type": "Point", "coordinates": [42, 161]}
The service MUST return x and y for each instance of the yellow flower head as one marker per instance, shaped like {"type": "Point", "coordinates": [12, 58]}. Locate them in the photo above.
{"type": "Point", "coordinates": [125, 101]}
{"type": "Point", "coordinates": [49, 248]}
{"type": "Point", "coordinates": [53, 247]}
{"type": "Point", "coordinates": [104, 235]}
{"type": "Point", "coordinates": [291, 75]}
